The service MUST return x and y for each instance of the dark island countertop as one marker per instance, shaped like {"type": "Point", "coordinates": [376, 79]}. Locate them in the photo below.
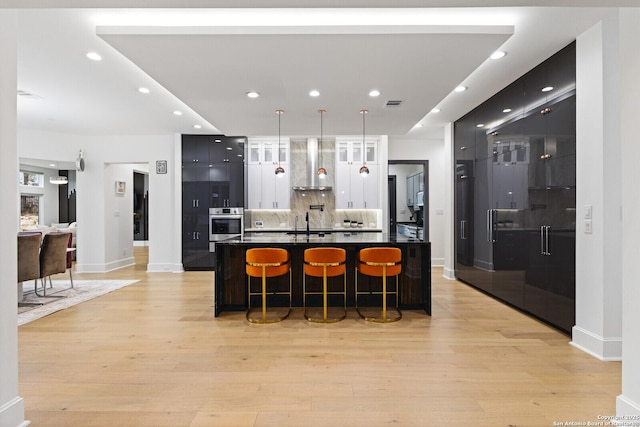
{"type": "Point", "coordinates": [321, 238]}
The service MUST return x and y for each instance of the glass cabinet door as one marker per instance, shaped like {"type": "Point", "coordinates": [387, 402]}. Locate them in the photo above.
{"type": "Point", "coordinates": [254, 152]}
{"type": "Point", "coordinates": [342, 151]}
{"type": "Point", "coordinates": [356, 152]}
{"type": "Point", "coordinates": [269, 153]}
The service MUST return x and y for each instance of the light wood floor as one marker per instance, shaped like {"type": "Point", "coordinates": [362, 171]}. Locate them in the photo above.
{"type": "Point", "coordinates": [152, 354]}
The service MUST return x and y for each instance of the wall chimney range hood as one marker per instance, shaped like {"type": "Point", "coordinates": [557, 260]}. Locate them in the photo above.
{"type": "Point", "coordinates": [313, 181]}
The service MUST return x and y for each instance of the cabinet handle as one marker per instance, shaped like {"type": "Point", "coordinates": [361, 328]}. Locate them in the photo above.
{"type": "Point", "coordinates": [463, 230]}
{"type": "Point", "coordinates": [490, 225]}
{"type": "Point", "coordinates": [543, 241]}
{"type": "Point", "coordinates": [548, 227]}
{"type": "Point", "coordinates": [365, 204]}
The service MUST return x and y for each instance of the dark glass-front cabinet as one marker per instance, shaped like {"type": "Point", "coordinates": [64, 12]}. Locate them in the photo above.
{"type": "Point", "coordinates": [212, 176]}
{"type": "Point", "coordinates": [515, 193]}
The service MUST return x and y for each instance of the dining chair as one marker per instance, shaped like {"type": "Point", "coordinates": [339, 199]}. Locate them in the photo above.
{"type": "Point", "coordinates": [28, 261]}
{"type": "Point", "coordinates": [53, 258]}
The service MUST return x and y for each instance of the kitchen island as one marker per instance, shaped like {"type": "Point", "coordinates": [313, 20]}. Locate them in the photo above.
{"type": "Point", "coordinates": [230, 281]}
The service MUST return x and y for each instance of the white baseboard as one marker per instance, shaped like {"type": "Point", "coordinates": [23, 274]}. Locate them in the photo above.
{"type": "Point", "coordinates": [165, 268]}
{"type": "Point", "coordinates": [625, 406]}
{"type": "Point", "coordinates": [437, 262]}
{"type": "Point", "coordinates": [140, 243]}
{"type": "Point", "coordinates": [12, 413]}
{"type": "Point", "coordinates": [605, 349]}
{"type": "Point", "coordinates": [449, 273]}
{"type": "Point", "coordinates": [105, 268]}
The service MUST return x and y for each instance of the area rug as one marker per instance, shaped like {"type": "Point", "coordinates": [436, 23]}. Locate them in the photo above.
{"type": "Point", "coordinates": [83, 290]}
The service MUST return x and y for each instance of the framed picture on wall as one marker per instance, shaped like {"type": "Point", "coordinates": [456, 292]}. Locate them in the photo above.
{"type": "Point", "coordinates": [120, 187]}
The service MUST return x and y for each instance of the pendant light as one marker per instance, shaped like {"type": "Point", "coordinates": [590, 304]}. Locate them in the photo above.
{"type": "Point", "coordinates": [58, 180]}
{"type": "Point", "coordinates": [322, 172]}
{"type": "Point", "coordinates": [279, 169]}
{"type": "Point", "coordinates": [364, 170]}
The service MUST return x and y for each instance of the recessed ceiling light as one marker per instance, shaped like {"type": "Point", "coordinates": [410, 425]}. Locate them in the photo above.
{"type": "Point", "coordinates": [253, 94]}
{"type": "Point", "coordinates": [177, 113]}
{"type": "Point", "coordinates": [94, 56]}
{"type": "Point", "coordinates": [547, 89]}
{"type": "Point", "coordinates": [506, 110]}
{"type": "Point", "coordinates": [197, 126]}
{"type": "Point", "coordinates": [144, 90]}
{"type": "Point", "coordinates": [435, 110]}
{"type": "Point", "coordinates": [314, 93]}
{"type": "Point", "coordinates": [480, 125]}
{"type": "Point", "coordinates": [52, 164]}
{"type": "Point", "coordinates": [229, 148]}
{"type": "Point", "coordinates": [498, 54]}
{"type": "Point", "coordinates": [460, 89]}
{"type": "Point", "coordinates": [374, 93]}
{"type": "Point", "coordinates": [418, 125]}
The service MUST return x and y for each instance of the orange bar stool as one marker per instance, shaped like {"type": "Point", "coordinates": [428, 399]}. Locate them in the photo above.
{"type": "Point", "coordinates": [325, 262]}
{"type": "Point", "coordinates": [379, 262]}
{"type": "Point", "coordinates": [267, 263]}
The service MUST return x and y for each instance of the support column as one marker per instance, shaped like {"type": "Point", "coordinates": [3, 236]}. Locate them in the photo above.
{"type": "Point", "coordinates": [449, 203]}
{"type": "Point", "coordinates": [11, 405]}
{"type": "Point", "coordinates": [598, 329]}
{"type": "Point", "coordinates": [628, 403]}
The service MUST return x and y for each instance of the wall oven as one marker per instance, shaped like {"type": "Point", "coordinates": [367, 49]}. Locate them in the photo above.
{"type": "Point", "coordinates": [225, 223]}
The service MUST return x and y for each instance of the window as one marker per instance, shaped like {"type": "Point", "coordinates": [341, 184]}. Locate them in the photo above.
{"type": "Point", "coordinates": [29, 211]}
{"type": "Point", "coordinates": [31, 179]}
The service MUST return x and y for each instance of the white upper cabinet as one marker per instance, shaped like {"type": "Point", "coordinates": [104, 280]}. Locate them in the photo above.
{"type": "Point", "coordinates": [349, 151]}
{"type": "Point", "coordinates": [266, 190]}
{"type": "Point", "coordinates": [265, 151]}
{"type": "Point", "coordinates": [352, 190]}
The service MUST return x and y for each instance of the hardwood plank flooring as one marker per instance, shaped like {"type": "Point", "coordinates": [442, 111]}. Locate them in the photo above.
{"type": "Point", "coordinates": [152, 354]}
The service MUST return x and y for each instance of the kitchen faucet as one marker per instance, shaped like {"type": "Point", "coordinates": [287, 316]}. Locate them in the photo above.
{"type": "Point", "coordinates": [306, 217]}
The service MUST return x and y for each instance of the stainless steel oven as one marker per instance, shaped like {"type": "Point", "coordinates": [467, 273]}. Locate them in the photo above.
{"type": "Point", "coordinates": [225, 223]}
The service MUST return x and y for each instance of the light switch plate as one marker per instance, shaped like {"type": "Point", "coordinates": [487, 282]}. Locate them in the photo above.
{"type": "Point", "coordinates": [588, 211]}
{"type": "Point", "coordinates": [588, 226]}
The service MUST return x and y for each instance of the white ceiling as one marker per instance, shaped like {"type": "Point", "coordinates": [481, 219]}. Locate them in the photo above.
{"type": "Point", "coordinates": [203, 61]}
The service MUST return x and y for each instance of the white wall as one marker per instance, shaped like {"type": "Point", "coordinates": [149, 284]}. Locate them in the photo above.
{"type": "Point", "coordinates": [433, 151]}
{"type": "Point", "coordinates": [104, 236]}
{"type": "Point", "coordinates": [11, 404]}
{"type": "Point", "coordinates": [629, 401]}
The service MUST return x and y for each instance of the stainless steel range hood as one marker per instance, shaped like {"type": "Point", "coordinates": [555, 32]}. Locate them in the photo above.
{"type": "Point", "coordinates": [313, 181]}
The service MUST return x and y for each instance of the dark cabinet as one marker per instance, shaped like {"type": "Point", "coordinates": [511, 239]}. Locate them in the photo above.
{"type": "Point", "coordinates": [515, 196]}
{"type": "Point", "coordinates": [212, 176]}
{"type": "Point", "coordinates": [195, 222]}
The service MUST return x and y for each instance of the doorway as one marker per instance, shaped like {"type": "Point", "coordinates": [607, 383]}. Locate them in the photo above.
{"type": "Point", "coordinates": [403, 207]}
{"type": "Point", "coordinates": [140, 207]}
{"type": "Point", "coordinates": [392, 203]}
